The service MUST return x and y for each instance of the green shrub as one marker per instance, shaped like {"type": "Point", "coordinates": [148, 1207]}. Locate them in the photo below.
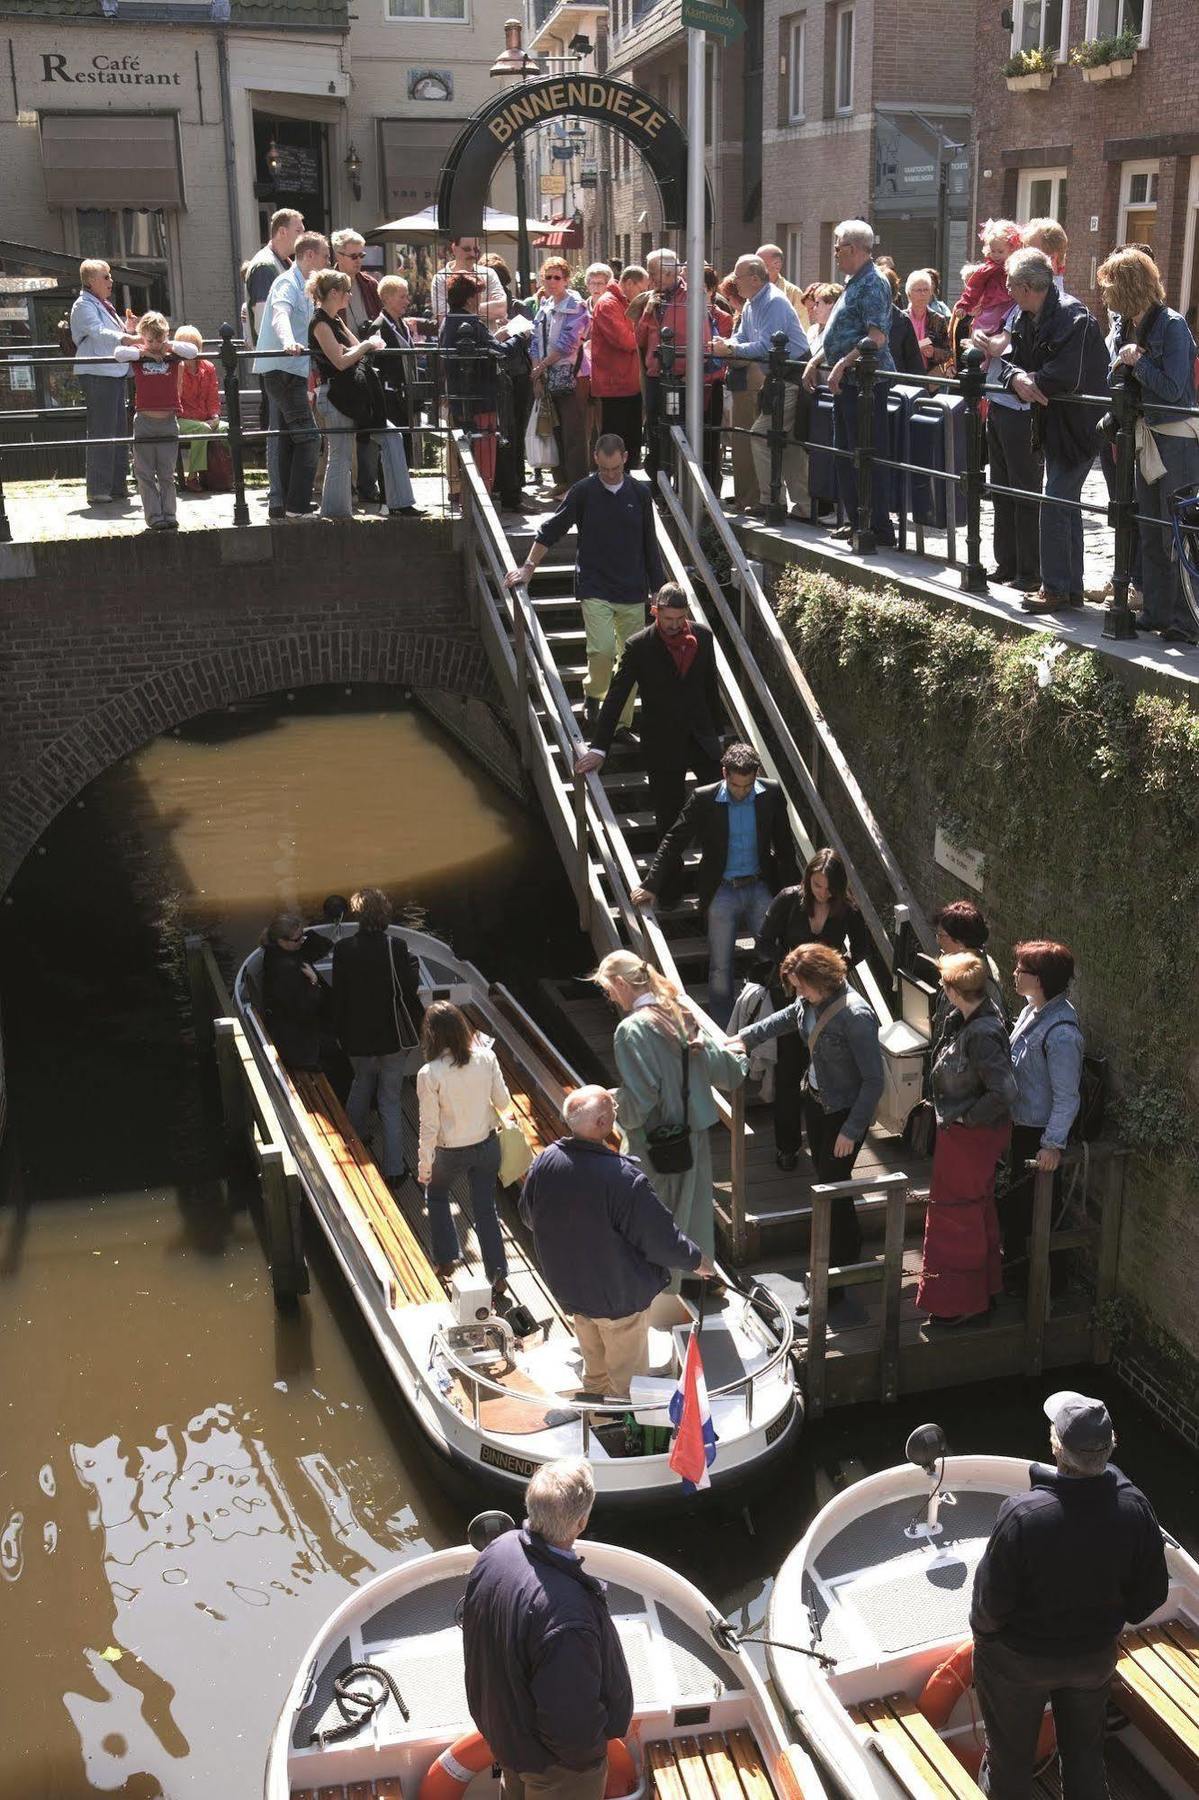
{"type": "Point", "coordinates": [1096, 51]}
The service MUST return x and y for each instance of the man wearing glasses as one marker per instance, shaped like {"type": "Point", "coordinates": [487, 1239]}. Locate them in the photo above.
{"type": "Point", "coordinates": [464, 260]}
{"type": "Point", "coordinates": [349, 252]}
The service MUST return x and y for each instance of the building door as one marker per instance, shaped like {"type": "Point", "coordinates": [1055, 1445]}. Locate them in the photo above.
{"type": "Point", "coordinates": [1188, 298]}
{"type": "Point", "coordinates": [291, 168]}
{"type": "Point", "coordinates": [1138, 203]}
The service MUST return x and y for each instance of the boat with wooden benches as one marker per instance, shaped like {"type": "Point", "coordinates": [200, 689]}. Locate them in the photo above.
{"type": "Point", "coordinates": [499, 1394]}
{"type": "Point", "coordinates": [704, 1727]}
{"type": "Point", "coordinates": [876, 1597]}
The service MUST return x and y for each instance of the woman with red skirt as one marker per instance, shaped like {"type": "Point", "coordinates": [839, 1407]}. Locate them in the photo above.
{"type": "Point", "coordinates": [973, 1088]}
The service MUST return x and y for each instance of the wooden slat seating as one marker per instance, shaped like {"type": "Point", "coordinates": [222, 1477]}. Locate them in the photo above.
{"type": "Point", "coordinates": [1157, 1686]}
{"type": "Point", "coordinates": [415, 1282]}
{"type": "Point", "coordinates": [714, 1766]}
{"type": "Point", "coordinates": [919, 1760]}
{"type": "Point", "coordinates": [383, 1789]}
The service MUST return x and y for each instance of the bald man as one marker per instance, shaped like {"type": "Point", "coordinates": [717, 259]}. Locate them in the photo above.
{"type": "Point", "coordinates": [605, 1242]}
{"type": "Point", "coordinates": [772, 256]}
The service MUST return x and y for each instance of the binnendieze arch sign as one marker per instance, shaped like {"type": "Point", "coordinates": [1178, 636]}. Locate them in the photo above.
{"type": "Point", "coordinates": [491, 132]}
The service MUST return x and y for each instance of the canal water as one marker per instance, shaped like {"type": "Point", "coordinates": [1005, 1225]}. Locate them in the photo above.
{"type": "Point", "coordinates": [190, 1481]}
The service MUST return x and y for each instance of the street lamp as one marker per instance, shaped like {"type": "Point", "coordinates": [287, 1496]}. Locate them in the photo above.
{"type": "Point", "coordinates": [515, 63]}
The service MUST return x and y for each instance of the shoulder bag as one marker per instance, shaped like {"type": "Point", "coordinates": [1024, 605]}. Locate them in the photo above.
{"type": "Point", "coordinates": [669, 1146]}
{"type": "Point", "coordinates": [827, 1018]}
{"type": "Point", "coordinates": [515, 1154]}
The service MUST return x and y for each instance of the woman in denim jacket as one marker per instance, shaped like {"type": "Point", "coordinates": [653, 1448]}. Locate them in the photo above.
{"type": "Point", "coordinates": [973, 1089]}
{"type": "Point", "coordinates": [1154, 345]}
{"type": "Point", "coordinates": [1047, 1046]}
{"type": "Point", "coordinates": [556, 348]}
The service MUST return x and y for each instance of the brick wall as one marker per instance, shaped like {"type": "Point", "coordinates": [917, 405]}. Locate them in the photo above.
{"type": "Point", "coordinates": [105, 645]}
{"type": "Point", "coordinates": [1091, 131]}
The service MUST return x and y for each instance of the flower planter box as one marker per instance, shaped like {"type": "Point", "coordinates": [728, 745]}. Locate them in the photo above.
{"type": "Point", "coordinates": [1036, 82]}
{"type": "Point", "coordinates": [1118, 70]}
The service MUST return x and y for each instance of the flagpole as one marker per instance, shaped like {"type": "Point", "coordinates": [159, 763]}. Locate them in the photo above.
{"type": "Point", "coordinates": [696, 295]}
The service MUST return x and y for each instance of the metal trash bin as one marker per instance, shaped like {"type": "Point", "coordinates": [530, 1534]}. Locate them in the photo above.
{"type": "Point", "coordinates": [904, 1051]}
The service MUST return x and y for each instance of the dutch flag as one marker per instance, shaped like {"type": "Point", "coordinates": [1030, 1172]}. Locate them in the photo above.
{"type": "Point", "coordinates": [694, 1447]}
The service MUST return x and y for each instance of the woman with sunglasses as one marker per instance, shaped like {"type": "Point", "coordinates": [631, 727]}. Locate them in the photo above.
{"type": "Point", "coordinates": [557, 350]}
{"type": "Point", "coordinates": [292, 989]}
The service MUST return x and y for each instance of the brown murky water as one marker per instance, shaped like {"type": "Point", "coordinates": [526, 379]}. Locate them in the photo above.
{"type": "Point", "coordinates": [189, 1481]}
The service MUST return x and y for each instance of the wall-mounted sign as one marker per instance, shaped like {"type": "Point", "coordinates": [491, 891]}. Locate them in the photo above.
{"type": "Point", "coordinates": [105, 71]}
{"type": "Point", "coordinates": [553, 186]}
{"type": "Point", "coordinates": [966, 864]}
{"type": "Point", "coordinates": [430, 84]}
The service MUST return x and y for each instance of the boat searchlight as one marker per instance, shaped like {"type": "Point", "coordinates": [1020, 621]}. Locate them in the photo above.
{"type": "Point", "coordinates": [926, 1447]}
{"type": "Point", "coordinates": [485, 1527]}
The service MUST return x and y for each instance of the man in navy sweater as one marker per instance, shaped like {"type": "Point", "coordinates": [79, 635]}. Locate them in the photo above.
{"type": "Point", "coordinates": [618, 566]}
{"type": "Point", "coordinates": [1068, 1565]}
{"type": "Point", "coordinates": [604, 1242]}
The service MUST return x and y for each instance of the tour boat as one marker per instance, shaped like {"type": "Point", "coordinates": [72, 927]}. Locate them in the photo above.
{"type": "Point", "coordinates": [702, 1719]}
{"type": "Point", "coordinates": [870, 1648]}
{"type": "Point", "coordinates": [497, 1395]}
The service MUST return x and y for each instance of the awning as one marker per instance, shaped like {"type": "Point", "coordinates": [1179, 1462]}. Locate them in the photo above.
{"type": "Point", "coordinates": [15, 257]}
{"type": "Point", "coordinates": [422, 228]}
{"type": "Point", "coordinates": [563, 234]}
{"type": "Point", "coordinates": [412, 152]}
{"type": "Point", "coordinates": [111, 159]}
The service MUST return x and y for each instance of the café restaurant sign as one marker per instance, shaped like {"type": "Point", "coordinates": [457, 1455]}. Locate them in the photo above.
{"type": "Point", "coordinates": [497, 125]}
{"type": "Point", "coordinates": [104, 71]}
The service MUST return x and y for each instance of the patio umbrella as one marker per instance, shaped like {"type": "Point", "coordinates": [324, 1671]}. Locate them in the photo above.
{"type": "Point", "coordinates": [421, 227]}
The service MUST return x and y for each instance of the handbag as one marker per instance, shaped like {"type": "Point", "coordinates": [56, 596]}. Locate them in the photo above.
{"type": "Point", "coordinates": [515, 1154]}
{"type": "Point", "coordinates": [358, 393]}
{"type": "Point", "coordinates": [669, 1146]}
{"type": "Point", "coordinates": [541, 447]}
{"type": "Point", "coordinates": [827, 1018]}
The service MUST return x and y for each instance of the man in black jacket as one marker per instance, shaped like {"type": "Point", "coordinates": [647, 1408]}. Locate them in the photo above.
{"type": "Point", "coordinates": [1056, 350]}
{"type": "Point", "coordinates": [746, 855]}
{"type": "Point", "coordinates": [1068, 1566]}
{"type": "Point", "coordinates": [672, 663]}
{"type": "Point", "coordinates": [376, 1013]}
{"type": "Point", "coordinates": [546, 1679]}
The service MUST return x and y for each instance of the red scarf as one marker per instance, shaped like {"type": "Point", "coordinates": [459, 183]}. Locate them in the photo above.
{"type": "Point", "coordinates": [683, 649]}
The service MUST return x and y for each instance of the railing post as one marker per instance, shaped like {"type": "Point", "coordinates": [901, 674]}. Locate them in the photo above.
{"type": "Point", "coordinates": [1037, 1302]}
{"type": "Point", "coordinates": [776, 398]}
{"type": "Point", "coordinates": [864, 371]}
{"type": "Point", "coordinates": [241, 512]}
{"type": "Point", "coordinates": [737, 1171]}
{"type": "Point", "coordinates": [888, 1352]}
{"type": "Point", "coordinates": [971, 385]}
{"type": "Point", "coordinates": [818, 1254]}
{"type": "Point", "coordinates": [1118, 620]}
{"type": "Point", "coordinates": [666, 390]}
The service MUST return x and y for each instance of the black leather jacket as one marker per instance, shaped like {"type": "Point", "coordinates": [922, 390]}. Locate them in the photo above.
{"type": "Point", "coordinates": [972, 1078]}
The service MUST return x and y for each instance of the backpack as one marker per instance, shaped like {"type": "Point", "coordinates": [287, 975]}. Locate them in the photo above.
{"type": "Point", "coordinates": [66, 342]}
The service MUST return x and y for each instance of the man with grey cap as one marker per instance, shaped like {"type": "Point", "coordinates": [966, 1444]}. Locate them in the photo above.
{"type": "Point", "coordinates": [1068, 1566]}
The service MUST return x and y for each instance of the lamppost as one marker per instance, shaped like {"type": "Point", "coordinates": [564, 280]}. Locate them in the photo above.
{"type": "Point", "coordinates": [516, 63]}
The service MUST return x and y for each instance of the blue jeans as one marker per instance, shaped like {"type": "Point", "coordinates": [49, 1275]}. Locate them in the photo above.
{"type": "Point", "coordinates": [381, 1079]}
{"type": "Point", "coordinates": [1164, 602]}
{"type": "Point", "coordinates": [845, 437]}
{"type": "Point", "coordinates": [733, 912]}
{"type": "Point", "coordinates": [1061, 527]}
{"type": "Point", "coordinates": [337, 500]}
{"type": "Point", "coordinates": [480, 1163]}
{"type": "Point", "coordinates": [292, 456]}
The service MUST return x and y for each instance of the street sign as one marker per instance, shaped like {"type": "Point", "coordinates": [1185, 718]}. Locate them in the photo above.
{"type": "Point", "coordinates": [553, 186]}
{"type": "Point", "coordinates": [723, 22]}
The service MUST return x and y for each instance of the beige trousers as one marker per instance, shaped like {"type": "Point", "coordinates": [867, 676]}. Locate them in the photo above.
{"type": "Point", "coordinates": [745, 479]}
{"type": "Point", "coordinates": [795, 460]}
{"type": "Point", "coordinates": [557, 1783]}
{"type": "Point", "coordinates": [614, 1350]}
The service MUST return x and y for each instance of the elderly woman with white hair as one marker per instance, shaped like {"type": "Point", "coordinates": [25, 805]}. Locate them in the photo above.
{"type": "Point", "coordinates": [931, 328]}
{"type": "Point", "coordinates": [98, 329]}
{"type": "Point", "coordinates": [605, 1242]}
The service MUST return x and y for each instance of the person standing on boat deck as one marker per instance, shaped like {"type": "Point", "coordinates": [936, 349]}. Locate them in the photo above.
{"type": "Point", "coordinates": [746, 854]}
{"type": "Point", "coordinates": [672, 664]}
{"type": "Point", "coordinates": [605, 1242]}
{"type": "Point", "coordinates": [547, 1683]}
{"type": "Point", "coordinates": [973, 1088]}
{"type": "Point", "coordinates": [819, 909]}
{"type": "Point", "coordinates": [376, 1014]}
{"type": "Point", "coordinates": [618, 566]}
{"type": "Point", "coordinates": [462, 1096]}
{"type": "Point", "coordinates": [291, 989]}
{"type": "Point", "coordinates": [1068, 1566]}
{"type": "Point", "coordinates": [844, 1079]}
{"type": "Point", "coordinates": [657, 1044]}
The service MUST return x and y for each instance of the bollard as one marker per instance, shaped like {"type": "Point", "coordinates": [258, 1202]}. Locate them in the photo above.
{"type": "Point", "coordinates": [667, 401]}
{"type": "Point", "coordinates": [864, 371]}
{"type": "Point", "coordinates": [1118, 618]}
{"type": "Point", "coordinates": [971, 385]}
{"type": "Point", "coordinates": [776, 399]}
{"type": "Point", "coordinates": [241, 512]}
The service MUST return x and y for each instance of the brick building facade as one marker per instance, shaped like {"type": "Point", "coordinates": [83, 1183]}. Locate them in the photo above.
{"type": "Point", "coordinates": [1115, 160]}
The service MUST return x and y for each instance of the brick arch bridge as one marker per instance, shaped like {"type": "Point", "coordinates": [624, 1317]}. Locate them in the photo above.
{"type": "Point", "coordinates": [106, 644]}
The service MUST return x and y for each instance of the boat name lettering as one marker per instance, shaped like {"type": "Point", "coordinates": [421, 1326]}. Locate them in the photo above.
{"type": "Point", "coordinates": [777, 1426]}
{"type": "Point", "coordinates": [502, 1459]}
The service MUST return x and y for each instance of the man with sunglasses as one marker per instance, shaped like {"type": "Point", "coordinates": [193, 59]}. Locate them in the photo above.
{"type": "Point", "coordinates": [464, 260]}
{"type": "Point", "coordinates": [349, 253]}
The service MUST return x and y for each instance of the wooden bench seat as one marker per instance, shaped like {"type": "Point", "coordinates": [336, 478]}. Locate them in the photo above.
{"type": "Point", "coordinates": [716, 1765]}
{"type": "Point", "coordinates": [1157, 1687]}
{"type": "Point", "coordinates": [383, 1789]}
{"type": "Point", "coordinates": [919, 1760]}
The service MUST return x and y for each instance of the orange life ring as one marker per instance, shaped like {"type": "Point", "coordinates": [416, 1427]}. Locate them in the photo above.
{"type": "Point", "coordinates": [946, 1685]}
{"type": "Point", "coordinates": [452, 1773]}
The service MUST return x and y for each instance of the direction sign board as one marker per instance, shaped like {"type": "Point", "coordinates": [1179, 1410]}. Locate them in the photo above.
{"type": "Point", "coordinates": [723, 22]}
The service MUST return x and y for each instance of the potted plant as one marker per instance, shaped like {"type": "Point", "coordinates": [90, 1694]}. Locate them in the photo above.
{"type": "Point", "coordinates": [1029, 69]}
{"type": "Point", "coordinates": [1107, 58]}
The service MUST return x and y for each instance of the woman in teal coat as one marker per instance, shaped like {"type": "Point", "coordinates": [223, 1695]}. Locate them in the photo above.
{"type": "Point", "coordinates": [658, 1025]}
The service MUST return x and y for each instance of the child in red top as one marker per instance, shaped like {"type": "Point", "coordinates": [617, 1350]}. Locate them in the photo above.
{"type": "Point", "coordinates": [199, 406]}
{"type": "Point", "coordinates": [985, 297]}
{"type": "Point", "coordinates": [156, 358]}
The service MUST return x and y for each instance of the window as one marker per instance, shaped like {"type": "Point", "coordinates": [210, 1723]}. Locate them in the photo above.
{"type": "Point", "coordinates": [843, 87]}
{"type": "Point", "coordinates": [1041, 194]}
{"type": "Point", "coordinates": [792, 241]}
{"type": "Point", "coordinates": [1041, 25]}
{"type": "Point", "coordinates": [796, 69]}
{"type": "Point", "coordinates": [426, 9]}
{"type": "Point", "coordinates": [136, 238]}
{"type": "Point", "coordinates": [1138, 203]}
{"type": "Point", "coordinates": [1111, 18]}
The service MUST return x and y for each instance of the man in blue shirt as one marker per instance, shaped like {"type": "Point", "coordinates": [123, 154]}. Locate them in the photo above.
{"type": "Point", "coordinates": [293, 452]}
{"type": "Point", "coordinates": [864, 310]}
{"type": "Point", "coordinates": [767, 310]}
{"type": "Point", "coordinates": [747, 854]}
